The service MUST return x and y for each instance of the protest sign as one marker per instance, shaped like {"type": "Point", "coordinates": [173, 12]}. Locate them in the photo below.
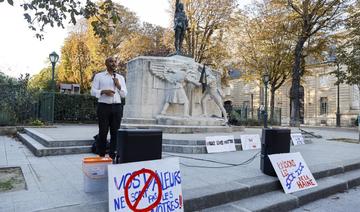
{"type": "Point", "coordinates": [292, 171]}
{"type": "Point", "coordinates": [297, 138]}
{"type": "Point", "coordinates": [145, 186]}
{"type": "Point", "coordinates": [250, 141]}
{"type": "Point", "coordinates": [220, 144]}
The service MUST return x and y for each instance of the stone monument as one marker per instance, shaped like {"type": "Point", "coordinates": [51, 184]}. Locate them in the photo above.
{"type": "Point", "coordinates": [173, 92]}
{"type": "Point", "coordinates": [167, 91]}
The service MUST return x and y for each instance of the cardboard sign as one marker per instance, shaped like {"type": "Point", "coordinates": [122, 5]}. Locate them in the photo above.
{"type": "Point", "coordinates": [250, 141]}
{"type": "Point", "coordinates": [292, 171]}
{"type": "Point", "coordinates": [297, 138]}
{"type": "Point", "coordinates": [220, 144]}
{"type": "Point", "coordinates": [146, 186]}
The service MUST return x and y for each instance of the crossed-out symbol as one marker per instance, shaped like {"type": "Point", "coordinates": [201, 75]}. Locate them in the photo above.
{"type": "Point", "coordinates": [134, 206]}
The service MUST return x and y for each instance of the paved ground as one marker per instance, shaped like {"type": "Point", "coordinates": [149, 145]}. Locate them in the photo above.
{"type": "Point", "coordinates": [347, 201]}
{"type": "Point", "coordinates": [55, 183]}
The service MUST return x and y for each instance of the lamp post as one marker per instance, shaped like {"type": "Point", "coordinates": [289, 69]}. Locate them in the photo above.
{"type": "Point", "coordinates": [338, 95]}
{"type": "Point", "coordinates": [333, 59]}
{"type": "Point", "coordinates": [266, 81]}
{"type": "Point", "coordinates": [54, 58]}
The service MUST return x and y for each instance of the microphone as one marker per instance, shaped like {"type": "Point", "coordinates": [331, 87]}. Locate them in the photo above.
{"type": "Point", "coordinates": [114, 74]}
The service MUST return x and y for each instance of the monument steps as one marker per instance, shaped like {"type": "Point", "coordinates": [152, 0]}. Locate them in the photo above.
{"type": "Point", "coordinates": [38, 149]}
{"type": "Point", "coordinates": [265, 193]}
{"type": "Point", "coordinates": [50, 142]}
{"type": "Point", "coordinates": [43, 145]}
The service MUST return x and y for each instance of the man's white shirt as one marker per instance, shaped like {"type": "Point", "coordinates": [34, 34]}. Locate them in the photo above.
{"type": "Point", "coordinates": [104, 81]}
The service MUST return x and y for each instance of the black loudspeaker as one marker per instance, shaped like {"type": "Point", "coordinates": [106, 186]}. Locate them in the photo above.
{"type": "Point", "coordinates": [273, 141]}
{"type": "Point", "coordinates": [138, 145]}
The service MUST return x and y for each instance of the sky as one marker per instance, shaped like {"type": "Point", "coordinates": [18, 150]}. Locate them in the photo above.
{"type": "Point", "coordinates": [21, 52]}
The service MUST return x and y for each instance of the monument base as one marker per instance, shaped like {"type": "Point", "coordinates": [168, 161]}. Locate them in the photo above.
{"type": "Point", "coordinates": [179, 125]}
{"type": "Point", "coordinates": [189, 120]}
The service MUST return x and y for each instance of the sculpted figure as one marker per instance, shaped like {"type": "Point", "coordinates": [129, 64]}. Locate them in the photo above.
{"type": "Point", "coordinates": [177, 79]}
{"type": "Point", "coordinates": [180, 25]}
{"type": "Point", "coordinates": [211, 89]}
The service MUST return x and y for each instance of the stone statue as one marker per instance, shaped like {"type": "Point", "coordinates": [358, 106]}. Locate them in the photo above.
{"type": "Point", "coordinates": [211, 88]}
{"type": "Point", "coordinates": [177, 80]}
{"type": "Point", "coordinates": [180, 25]}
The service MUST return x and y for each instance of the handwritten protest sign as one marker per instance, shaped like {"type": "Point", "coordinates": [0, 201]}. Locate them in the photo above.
{"type": "Point", "coordinates": [250, 141]}
{"type": "Point", "coordinates": [220, 144]}
{"type": "Point", "coordinates": [292, 171]}
{"type": "Point", "coordinates": [145, 186]}
{"type": "Point", "coordinates": [297, 138]}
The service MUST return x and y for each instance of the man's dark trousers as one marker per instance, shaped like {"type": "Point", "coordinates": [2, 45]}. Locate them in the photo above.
{"type": "Point", "coordinates": [109, 116]}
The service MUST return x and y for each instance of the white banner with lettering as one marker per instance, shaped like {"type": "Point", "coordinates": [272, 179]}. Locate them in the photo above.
{"type": "Point", "coordinates": [250, 141]}
{"type": "Point", "coordinates": [292, 171]}
{"type": "Point", "coordinates": [220, 144]}
{"type": "Point", "coordinates": [297, 139]}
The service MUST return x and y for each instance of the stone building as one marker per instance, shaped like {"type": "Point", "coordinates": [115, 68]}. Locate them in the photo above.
{"type": "Point", "coordinates": [319, 102]}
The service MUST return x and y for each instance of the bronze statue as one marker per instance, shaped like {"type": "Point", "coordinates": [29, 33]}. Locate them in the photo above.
{"type": "Point", "coordinates": [180, 25]}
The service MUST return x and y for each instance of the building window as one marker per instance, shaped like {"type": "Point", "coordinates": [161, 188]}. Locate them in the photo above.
{"type": "Point", "coordinates": [323, 105]}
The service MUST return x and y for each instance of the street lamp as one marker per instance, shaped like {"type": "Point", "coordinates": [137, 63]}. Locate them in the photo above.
{"type": "Point", "coordinates": [266, 81]}
{"type": "Point", "coordinates": [54, 58]}
{"type": "Point", "coordinates": [338, 95]}
{"type": "Point", "coordinates": [334, 59]}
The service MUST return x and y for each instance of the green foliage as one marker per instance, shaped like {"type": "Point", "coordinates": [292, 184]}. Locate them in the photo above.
{"type": "Point", "coordinates": [236, 119]}
{"type": "Point", "coordinates": [349, 52]}
{"type": "Point", "coordinates": [4, 79]}
{"type": "Point", "coordinates": [42, 80]}
{"type": "Point", "coordinates": [36, 122]}
{"type": "Point", "coordinates": [75, 108]}
{"type": "Point", "coordinates": [42, 13]}
{"type": "Point", "coordinates": [6, 185]}
{"type": "Point", "coordinates": [17, 102]}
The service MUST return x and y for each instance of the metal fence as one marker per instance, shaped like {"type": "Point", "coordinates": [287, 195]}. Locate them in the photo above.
{"type": "Point", "coordinates": [249, 116]}
{"type": "Point", "coordinates": [17, 104]}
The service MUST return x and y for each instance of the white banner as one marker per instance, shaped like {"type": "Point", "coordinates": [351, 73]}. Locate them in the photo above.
{"type": "Point", "coordinates": [146, 186]}
{"type": "Point", "coordinates": [292, 171]}
{"type": "Point", "coordinates": [220, 144]}
{"type": "Point", "coordinates": [250, 141]}
{"type": "Point", "coordinates": [297, 139]}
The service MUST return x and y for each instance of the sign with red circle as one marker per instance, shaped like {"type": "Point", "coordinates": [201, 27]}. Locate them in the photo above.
{"type": "Point", "coordinates": [147, 184]}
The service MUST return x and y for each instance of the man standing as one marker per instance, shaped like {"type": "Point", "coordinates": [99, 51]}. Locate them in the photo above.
{"type": "Point", "coordinates": [109, 87]}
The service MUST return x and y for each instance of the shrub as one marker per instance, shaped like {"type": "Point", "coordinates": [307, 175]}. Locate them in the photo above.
{"type": "Point", "coordinates": [75, 108]}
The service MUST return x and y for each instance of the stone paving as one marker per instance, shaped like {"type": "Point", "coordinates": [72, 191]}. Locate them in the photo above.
{"type": "Point", "coordinates": [55, 183]}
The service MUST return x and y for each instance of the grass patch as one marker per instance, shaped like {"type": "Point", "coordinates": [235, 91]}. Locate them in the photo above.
{"type": "Point", "coordinates": [11, 179]}
{"type": "Point", "coordinates": [7, 185]}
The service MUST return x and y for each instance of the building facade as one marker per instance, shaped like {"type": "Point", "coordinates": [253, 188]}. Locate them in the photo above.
{"type": "Point", "coordinates": [318, 102]}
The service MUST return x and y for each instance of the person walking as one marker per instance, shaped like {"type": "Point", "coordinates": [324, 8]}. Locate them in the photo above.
{"type": "Point", "coordinates": [109, 87]}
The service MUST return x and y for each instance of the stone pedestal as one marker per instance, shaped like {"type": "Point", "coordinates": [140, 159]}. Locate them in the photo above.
{"type": "Point", "coordinates": [146, 95]}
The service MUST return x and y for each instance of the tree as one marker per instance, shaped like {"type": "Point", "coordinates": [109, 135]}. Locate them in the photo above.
{"type": "Point", "coordinates": [148, 41]}
{"type": "Point", "coordinates": [349, 52]}
{"type": "Point", "coordinates": [312, 17]}
{"type": "Point", "coordinates": [75, 60]}
{"type": "Point", "coordinates": [208, 19]}
{"type": "Point", "coordinates": [42, 13]}
{"type": "Point", "coordinates": [5, 79]}
{"type": "Point", "coordinates": [42, 80]}
{"type": "Point", "coordinates": [264, 49]}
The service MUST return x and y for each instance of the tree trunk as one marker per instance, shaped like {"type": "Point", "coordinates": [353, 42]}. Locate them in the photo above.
{"type": "Point", "coordinates": [295, 94]}
{"type": "Point", "coordinates": [272, 104]}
